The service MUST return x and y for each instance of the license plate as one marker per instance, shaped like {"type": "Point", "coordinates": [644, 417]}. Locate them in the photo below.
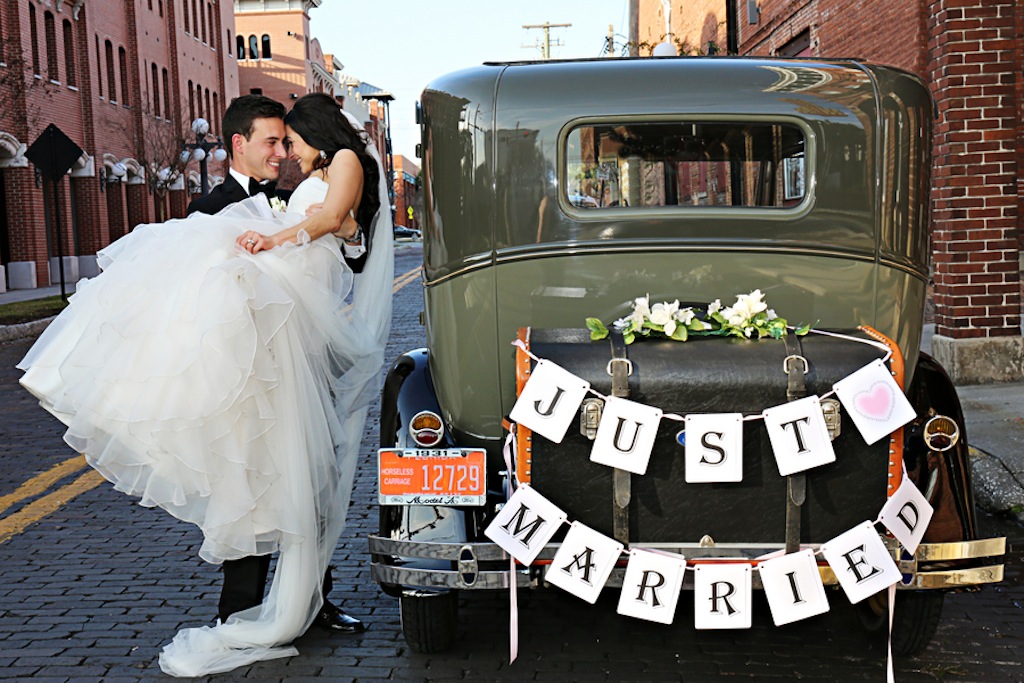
{"type": "Point", "coordinates": [414, 476]}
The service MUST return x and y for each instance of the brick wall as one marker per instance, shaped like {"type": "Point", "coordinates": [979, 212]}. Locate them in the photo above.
{"type": "Point", "coordinates": [694, 23]}
{"type": "Point", "coordinates": [975, 197]}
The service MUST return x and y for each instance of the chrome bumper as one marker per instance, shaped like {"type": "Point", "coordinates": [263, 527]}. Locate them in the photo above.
{"type": "Point", "coordinates": [466, 574]}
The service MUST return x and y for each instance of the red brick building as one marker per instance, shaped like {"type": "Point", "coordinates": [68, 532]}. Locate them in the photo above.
{"type": "Point", "coordinates": [971, 52]}
{"type": "Point", "coordinates": [407, 195]}
{"type": "Point", "coordinates": [123, 80]}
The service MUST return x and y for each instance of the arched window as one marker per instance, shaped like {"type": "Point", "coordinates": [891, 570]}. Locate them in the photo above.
{"type": "Point", "coordinates": [184, 5]}
{"type": "Point", "coordinates": [254, 48]}
{"type": "Point", "coordinates": [111, 84]}
{"type": "Point", "coordinates": [202, 21]}
{"type": "Point", "coordinates": [122, 58]}
{"type": "Point", "coordinates": [70, 67]}
{"type": "Point", "coordinates": [191, 103]}
{"type": "Point", "coordinates": [167, 97]}
{"type": "Point", "coordinates": [199, 102]}
{"type": "Point", "coordinates": [156, 91]}
{"type": "Point", "coordinates": [51, 46]}
{"type": "Point", "coordinates": [210, 115]}
{"type": "Point", "coordinates": [99, 67]}
{"type": "Point", "coordinates": [266, 46]}
{"type": "Point", "coordinates": [240, 45]}
{"type": "Point", "coordinates": [34, 34]}
{"type": "Point", "coordinates": [215, 115]}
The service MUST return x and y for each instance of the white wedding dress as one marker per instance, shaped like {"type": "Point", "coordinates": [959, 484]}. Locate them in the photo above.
{"type": "Point", "coordinates": [231, 390]}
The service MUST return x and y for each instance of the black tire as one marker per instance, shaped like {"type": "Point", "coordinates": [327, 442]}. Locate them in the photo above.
{"type": "Point", "coordinates": [914, 623]}
{"type": "Point", "coordinates": [429, 620]}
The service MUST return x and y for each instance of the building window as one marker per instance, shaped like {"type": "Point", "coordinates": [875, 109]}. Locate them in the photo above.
{"type": "Point", "coordinates": [160, 7]}
{"type": "Point", "coordinates": [70, 67]}
{"type": "Point", "coordinates": [184, 5]}
{"type": "Point", "coordinates": [99, 68]}
{"type": "Point", "coordinates": [34, 33]}
{"type": "Point", "coordinates": [202, 21]}
{"type": "Point", "coordinates": [266, 46]}
{"type": "Point", "coordinates": [51, 46]}
{"type": "Point", "coordinates": [254, 48]}
{"type": "Point", "coordinates": [199, 101]}
{"type": "Point", "coordinates": [195, 19]}
{"type": "Point", "coordinates": [255, 91]}
{"type": "Point", "coordinates": [227, 32]}
{"type": "Point", "coordinates": [216, 115]}
{"type": "Point", "coordinates": [240, 47]}
{"type": "Point", "coordinates": [111, 85]}
{"type": "Point", "coordinates": [191, 103]}
{"type": "Point", "coordinates": [156, 91]}
{"type": "Point", "coordinates": [122, 58]}
{"type": "Point", "coordinates": [213, 26]}
{"type": "Point", "coordinates": [209, 110]}
{"type": "Point", "coordinates": [167, 97]}
{"type": "Point", "coordinates": [150, 2]}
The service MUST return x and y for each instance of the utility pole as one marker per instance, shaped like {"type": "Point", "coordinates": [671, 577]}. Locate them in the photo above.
{"type": "Point", "coordinates": [545, 47]}
{"type": "Point", "coordinates": [610, 44]}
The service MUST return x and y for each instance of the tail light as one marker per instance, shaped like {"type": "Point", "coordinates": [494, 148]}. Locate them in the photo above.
{"type": "Point", "coordinates": [941, 433]}
{"type": "Point", "coordinates": [426, 429]}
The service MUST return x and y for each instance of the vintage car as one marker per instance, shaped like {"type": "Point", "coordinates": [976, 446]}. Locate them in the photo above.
{"type": "Point", "coordinates": [563, 190]}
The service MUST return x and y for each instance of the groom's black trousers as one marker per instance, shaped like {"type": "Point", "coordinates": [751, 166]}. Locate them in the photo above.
{"type": "Point", "coordinates": [245, 581]}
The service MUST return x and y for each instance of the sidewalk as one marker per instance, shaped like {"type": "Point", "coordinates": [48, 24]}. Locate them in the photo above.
{"type": "Point", "coordinates": [994, 414]}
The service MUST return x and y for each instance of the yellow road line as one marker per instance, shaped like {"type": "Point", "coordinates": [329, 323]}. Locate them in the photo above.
{"type": "Point", "coordinates": [37, 509]}
{"type": "Point", "coordinates": [406, 278]}
{"type": "Point", "coordinates": [42, 481]}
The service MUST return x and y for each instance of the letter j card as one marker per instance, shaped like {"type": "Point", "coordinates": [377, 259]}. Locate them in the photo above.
{"type": "Point", "coordinates": [549, 400]}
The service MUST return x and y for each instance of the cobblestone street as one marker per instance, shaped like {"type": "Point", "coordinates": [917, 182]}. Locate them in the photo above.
{"type": "Point", "coordinates": [93, 585]}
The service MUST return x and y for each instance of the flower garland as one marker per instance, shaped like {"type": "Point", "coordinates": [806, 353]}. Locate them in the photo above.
{"type": "Point", "coordinates": [748, 318]}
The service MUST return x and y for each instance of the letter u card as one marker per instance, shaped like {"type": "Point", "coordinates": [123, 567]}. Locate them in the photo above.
{"type": "Point", "coordinates": [583, 562]}
{"type": "Point", "coordinates": [525, 524]}
{"type": "Point", "coordinates": [549, 401]}
{"type": "Point", "coordinates": [626, 434]}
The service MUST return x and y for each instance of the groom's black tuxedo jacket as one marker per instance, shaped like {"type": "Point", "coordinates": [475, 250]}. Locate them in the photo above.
{"type": "Point", "coordinates": [230, 192]}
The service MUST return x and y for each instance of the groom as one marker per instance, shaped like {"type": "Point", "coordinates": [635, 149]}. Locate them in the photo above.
{"type": "Point", "coordinates": [254, 127]}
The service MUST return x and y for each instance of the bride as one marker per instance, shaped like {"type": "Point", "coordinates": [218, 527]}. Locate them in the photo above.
{"type": "Point", "coordinates": [221, 368]}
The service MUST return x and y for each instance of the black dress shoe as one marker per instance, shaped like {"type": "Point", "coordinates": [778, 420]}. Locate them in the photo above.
{"type": "Point", "coordinates": [331, 618]}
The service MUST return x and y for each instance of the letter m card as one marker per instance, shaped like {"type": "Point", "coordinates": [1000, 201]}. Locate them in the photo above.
{"type": "Point", "coordinates": [549, 401]}
{"type": "Point", "coordinates": [525, 524]}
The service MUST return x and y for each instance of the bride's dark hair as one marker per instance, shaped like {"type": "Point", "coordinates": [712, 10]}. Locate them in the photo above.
{"type": "Point", "coordinates": [318, 119]}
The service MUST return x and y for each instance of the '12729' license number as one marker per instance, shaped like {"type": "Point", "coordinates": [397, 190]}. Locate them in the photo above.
{"type": "Point", "coordinates": [412, 476]}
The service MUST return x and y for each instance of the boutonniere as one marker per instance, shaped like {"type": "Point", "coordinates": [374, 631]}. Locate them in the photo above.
{"type": "Point", "coordinates": [278, 204]}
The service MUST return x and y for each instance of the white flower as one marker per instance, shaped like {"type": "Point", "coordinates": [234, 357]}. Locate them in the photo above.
{"type": "Point", "coordinates": [278, 204]}
{"type": "Point", "coordinates": [771, 314]}
{"type": "Point", "coordinates": [663, 313]}
{"type": "Point", "coordinates": [715, 306]}
{"type": "Point", "coordinates": [641, 308]}
{"type": "Point", "coordinates": [748, 331]}
{"type": "Point", "coordinates": [685, 316]}
{"type": "Point", "coordinates": [749, 305]}
{"type": "Point", "coordinates": [669, 327]}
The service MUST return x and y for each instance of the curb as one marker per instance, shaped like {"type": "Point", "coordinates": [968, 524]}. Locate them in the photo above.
{"type": "Point", "coordinates": [996, 489]}
{"type": "Point", "coordinates": [24, 330]}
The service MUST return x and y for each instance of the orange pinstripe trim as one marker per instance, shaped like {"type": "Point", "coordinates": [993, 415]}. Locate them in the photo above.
{"type": "Point", "coordinates": [524, 437]}
{"type": "Point", "coordinates": [897, 367]}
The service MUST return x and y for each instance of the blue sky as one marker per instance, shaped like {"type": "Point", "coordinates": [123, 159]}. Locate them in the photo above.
{"type": "Point", "coordinates": [401, 45]}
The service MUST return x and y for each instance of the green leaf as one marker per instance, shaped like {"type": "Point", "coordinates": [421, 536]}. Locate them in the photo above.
{"type": "Point", "coordinates": [597, 329]}
{"type": "Point", "coordinates": [680, 333]}
{"type": "Point", "coordinates": [628, 337]}
{"type": "Point", "coordinates": [804, 329]}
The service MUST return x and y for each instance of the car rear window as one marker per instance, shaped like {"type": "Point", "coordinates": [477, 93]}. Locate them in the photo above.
{"type": "Point", "coordinates": [754, 164]}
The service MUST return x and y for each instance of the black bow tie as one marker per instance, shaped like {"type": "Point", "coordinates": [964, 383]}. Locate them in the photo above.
{"type": "Point", "coordinates": [256, 187]}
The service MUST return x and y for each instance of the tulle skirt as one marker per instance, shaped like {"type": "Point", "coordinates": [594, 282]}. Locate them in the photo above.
{"type": "Point", "coordinates": [228, 389]}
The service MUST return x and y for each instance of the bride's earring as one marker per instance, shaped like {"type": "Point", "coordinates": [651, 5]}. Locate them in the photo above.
{"type": "Point", "coordinates": [323, 155]}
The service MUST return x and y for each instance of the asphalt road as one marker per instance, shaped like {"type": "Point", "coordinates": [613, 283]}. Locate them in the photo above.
{"type": "Point", "coordinates": [92, 586]}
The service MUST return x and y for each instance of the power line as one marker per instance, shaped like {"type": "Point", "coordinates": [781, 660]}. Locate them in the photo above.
{"type": "Point", "coordinates": [545, 46]}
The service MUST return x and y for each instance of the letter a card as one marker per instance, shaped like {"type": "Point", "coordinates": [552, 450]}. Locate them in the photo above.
{"type": "Point", "coordinates": [651, 586]}
{"type": "Point", "coordinates": [793, 587]}
{"type": "Point", "coordinates": [549, 401]}
{"type": "Point", "coordinates": [583, 562]}
{"type": "Point", "coordinates": [626, 434]}
{"type": "Point", "coordinates": [874, 401]}
{"type": "Point", "coordinates": [526, 522]}
{"type": "Point", "coordinates": [861, 562]}
{"type": "Point", "coordinates": [722, 596]}
{"type": "Point", "coordinates": [907, 515]}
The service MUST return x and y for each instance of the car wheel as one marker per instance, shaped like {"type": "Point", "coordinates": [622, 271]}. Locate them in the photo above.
{"type": "Point", "coordinates": [429, 620]}
{"type": "Point", "coordinates": [914, 623]}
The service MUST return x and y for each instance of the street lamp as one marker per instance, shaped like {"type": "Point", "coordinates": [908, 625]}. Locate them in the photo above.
{"type": "Point", "coordinates": [200, 151]}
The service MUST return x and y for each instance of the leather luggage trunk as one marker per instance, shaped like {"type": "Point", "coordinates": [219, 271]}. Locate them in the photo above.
{"type": "Point", "coordinates": [711, 375]}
